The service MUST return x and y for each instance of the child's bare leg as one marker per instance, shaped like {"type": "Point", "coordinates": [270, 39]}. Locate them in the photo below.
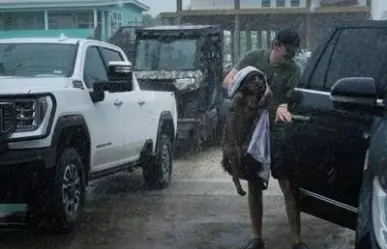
{"type": "Point", "coordinates": [256, 212]}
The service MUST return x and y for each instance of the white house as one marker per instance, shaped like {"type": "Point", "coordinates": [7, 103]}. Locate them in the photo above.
{"type": "Point", "coordinates": [379, 9]}
{"type": "Point", "coordinates": [254, 4]}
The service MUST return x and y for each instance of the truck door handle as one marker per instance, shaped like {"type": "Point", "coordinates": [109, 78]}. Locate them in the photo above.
{"type": "Point", "coordinates": [366, 135]}
{"type": "Point", "coordinates": [301, 118]}
{"type": "Point", "coordinates": [118, 102]}
{"type": "Point", "coordinates": [141, 101]}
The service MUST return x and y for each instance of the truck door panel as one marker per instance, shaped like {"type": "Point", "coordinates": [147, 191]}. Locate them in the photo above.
{"type": "Point", "coordinates": [131, 121]}
{"type": "Point", "coordinates": [328, 144]}
{"type": "Point", "coordinates": [103, 114]}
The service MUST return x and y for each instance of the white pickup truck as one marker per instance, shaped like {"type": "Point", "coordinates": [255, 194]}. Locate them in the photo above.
{"type": "Point", "coordinates": [72, 111]}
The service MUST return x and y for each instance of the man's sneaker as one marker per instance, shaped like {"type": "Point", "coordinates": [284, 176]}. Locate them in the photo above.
{"type": "Point", "coordinates": [255, 244]}
{"type": "Point", "coordinates": [300, 246]}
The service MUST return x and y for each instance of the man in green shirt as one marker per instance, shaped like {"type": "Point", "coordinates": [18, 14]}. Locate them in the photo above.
{"type": "Point", "coordinates": [283, 74]}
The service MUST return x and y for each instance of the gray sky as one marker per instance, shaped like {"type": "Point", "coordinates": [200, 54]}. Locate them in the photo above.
{"type": "Point", "coordinates": [158, 6]}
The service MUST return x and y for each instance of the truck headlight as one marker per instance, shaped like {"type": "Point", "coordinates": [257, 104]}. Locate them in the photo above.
{"type": "Point", "coordinates": [379, 219]}
{"type": "Point", "coordinates": [186, 84]}
{"type": "Point", "coordinates": [30, 113]}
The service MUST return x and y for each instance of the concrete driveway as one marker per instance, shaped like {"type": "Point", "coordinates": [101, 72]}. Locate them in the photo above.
{"type": "Point", "coordinates": [200, 210]}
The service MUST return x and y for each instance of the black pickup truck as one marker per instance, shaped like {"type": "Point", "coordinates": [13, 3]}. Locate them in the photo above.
{"type": "Point", "coordinates": [337, 141]}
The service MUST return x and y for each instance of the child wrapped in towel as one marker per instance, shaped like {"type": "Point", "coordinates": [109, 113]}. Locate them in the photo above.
{"type": "Point", "coordinates": [250, 95]}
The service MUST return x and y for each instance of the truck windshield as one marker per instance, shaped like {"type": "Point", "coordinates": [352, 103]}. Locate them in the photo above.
{"type": "Point", "coordinates": [153, 54]}
{"type": "Point", "coordinates": [36, 59]}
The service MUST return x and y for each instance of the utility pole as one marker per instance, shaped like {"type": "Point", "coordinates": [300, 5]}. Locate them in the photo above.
{"type": "Point", "coordinates": [237, 38]}
{"type": "Point", "coordinates": [179, 9]}
{"type": "Point", "coordinates": [308, 24]}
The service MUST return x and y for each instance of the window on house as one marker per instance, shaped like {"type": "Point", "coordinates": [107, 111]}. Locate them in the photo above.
{"type": "Point", "coordinates": [84, 20]}
{"type": "Point", "coordinates": [295, 3]}
{"type": "Point", "coordinates": [60, 20]}
{"type": "Point", "coordinates": [20, 21]}
{"type": "Point", "coordinates": [70, 20]}
{"type": "Point", "coordinates": [266, 3]}
{"type": "Point", "coordinates": [280, 3]}
{"type": "Point", "coordinates": [99, 17]}
{"type": "Point", "coordinates": [117, 20]}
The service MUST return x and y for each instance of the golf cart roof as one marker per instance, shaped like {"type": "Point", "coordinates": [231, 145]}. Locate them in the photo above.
{"type": "Point", "coordinates": [179, 29]}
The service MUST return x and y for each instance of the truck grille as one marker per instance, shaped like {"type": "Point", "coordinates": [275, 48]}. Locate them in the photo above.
{"type": "Point", "coordinates": [7, 118]}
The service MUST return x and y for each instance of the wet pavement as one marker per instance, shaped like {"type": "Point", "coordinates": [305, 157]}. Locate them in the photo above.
{"type": "Point", "coordinates": [200, 210]}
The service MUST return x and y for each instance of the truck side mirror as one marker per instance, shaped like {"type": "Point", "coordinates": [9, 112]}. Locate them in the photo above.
{"type": "Point", "coordinates": [120, 79]}
{"type": "Point", "coordinates": [120, 71]}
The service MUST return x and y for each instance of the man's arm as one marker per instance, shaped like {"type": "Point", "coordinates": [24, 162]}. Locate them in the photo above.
{"type": "Point", "coordinates": [283, 113]}
{"type": "Point", "coordinates": [247, 60]}
{"type": "Point", "coordinates": [229, 77]}
{"type": "Point", "coordinates": [292, 83]}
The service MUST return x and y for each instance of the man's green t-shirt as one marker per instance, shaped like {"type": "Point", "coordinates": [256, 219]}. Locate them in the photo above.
{"type": "Point", "coordinates": [282, 79]}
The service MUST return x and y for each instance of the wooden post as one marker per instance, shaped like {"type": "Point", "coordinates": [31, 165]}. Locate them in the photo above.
{"type": "Point", "coordinates": [179, 9]}
{"type": "Point", "coordinates": [237, 37]}
{"type": "Point", "coordinates": [95, 18]}
{"type": "Point", "coordinates": [308, 31]}
{"type": "Point", "coordinates": [268, 38]}
{"type": "Point", "coordinates": [259, 39]}
{"type": "Point", "coordinates": [248, 40]}
{"type": "Point", "coordinates": [46, 20]}
{"type": "Point", "coordinates": [232, 44]}
{"type": "Point", "coordinates": [308, 24]}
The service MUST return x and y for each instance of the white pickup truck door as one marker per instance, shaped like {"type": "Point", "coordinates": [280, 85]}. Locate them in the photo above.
{"type": "Point", "coordinates": [131, 121]}
{"type": "Point", "coordinates": [149, 104]}
{"type": "Point", "coordinates": [104, 128]}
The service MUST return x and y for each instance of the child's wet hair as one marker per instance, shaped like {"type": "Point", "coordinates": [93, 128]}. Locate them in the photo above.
{"type": "Point", "coordinates": [255, 77]}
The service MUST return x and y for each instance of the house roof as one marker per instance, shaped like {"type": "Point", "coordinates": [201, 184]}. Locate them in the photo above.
{"type": "Point", "coordinates": [14, 4]}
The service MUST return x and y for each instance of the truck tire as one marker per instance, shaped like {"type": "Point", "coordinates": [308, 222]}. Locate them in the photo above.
{"type": "Point", "coordinates": [158, 174]}
{"type": "Point", "coordinates": [69, 190]}
{"type": "Point", "coordinates": [58, 201]}
{"type": "Point", "coordinates": [68, 193]}
{"type": "Point", "coordinates": [364, 238]}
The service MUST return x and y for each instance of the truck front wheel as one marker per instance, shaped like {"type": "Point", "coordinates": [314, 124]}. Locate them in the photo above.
{"type": "Point", "coordinates": [158, 173]}
{"type": "Point", "coordinates": [69, 196]}
{"type": "Point", "coordinates": [61, 195]}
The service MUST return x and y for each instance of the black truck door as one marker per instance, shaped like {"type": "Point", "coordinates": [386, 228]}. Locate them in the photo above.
{"type": "Point", "coordinates": [327, 146]}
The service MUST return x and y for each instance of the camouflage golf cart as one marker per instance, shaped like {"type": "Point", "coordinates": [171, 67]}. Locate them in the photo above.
{"type": "Point", "coordinates": [188, 59]}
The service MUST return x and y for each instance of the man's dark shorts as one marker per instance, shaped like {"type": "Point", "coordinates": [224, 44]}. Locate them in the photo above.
{"type": "Point", "coordinates": [279, 168]}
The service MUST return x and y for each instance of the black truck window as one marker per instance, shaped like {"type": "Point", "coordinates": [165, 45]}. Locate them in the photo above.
{"type": "Point", "coordinates": [109, 55]}
{"type": "Point", "coordinates": [359, 52]}
{"type": "Point", "coordinates": [94, 69]}
{"type": "Point", "coordinates": [317, 79]}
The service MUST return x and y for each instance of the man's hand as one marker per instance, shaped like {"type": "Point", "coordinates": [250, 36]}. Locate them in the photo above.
{"type": "Point", "coordinates": [229, 78]}
{"type": "Point", "coordinates": [282, 114]}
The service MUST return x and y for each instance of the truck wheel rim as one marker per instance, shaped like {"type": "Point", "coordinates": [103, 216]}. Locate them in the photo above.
{"type": "Point", "coordinates": [71, 190]}
{"type": "Point", "coordinates": [165, 161]}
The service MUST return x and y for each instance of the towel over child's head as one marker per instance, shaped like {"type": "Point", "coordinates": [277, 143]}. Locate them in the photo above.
{"type": "Point", "coordinates": [251, 81]}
